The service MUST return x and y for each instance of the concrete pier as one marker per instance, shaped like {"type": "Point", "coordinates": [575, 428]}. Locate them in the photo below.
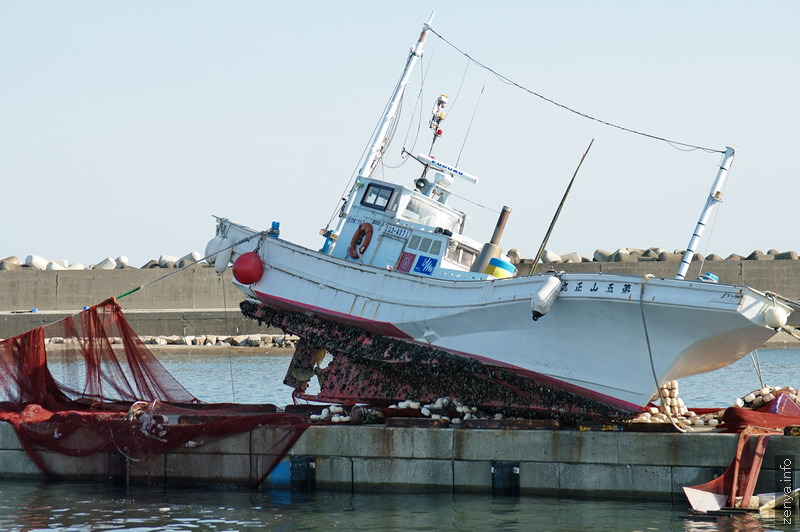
{"type": "Point", "coordinates": [624, 465]}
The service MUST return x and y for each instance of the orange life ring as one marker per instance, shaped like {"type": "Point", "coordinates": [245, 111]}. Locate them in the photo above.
{"type": "Point", "coordinates": [357, 246]}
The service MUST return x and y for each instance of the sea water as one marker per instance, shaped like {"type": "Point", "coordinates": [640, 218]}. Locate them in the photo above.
{"type": "Point", "coordinates": [33, 506]}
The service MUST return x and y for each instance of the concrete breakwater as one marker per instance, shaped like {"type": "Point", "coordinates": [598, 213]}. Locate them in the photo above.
{"type": "Point", "coordinates": [196, 301]}
{"type": "Point", "coordinates": [776, 275]}
{"type": "Point", "coordinates": [653, 254]}
{"type": "Point", "coordinates": [193, 302]}
{"type": "Point", "coordinates": [120, 263]}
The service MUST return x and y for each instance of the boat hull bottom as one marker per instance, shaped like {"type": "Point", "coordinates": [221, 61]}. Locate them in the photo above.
{"type": "Point", "coordinates": [380, 370]}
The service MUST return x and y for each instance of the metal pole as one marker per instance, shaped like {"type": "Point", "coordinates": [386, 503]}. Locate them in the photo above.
{"type": "Point", "coordinates": [714, 198]}
{"type": "Point", "coordinates": [558, 211]}
{"type": "Point", "coordinates": [377, 147]}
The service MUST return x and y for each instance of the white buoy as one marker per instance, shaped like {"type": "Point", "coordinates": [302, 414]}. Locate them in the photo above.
{"type": "Point", "coordinates": [542, 301]}
{"type": "Point", "coordinates": [224, 256]}
{"type": "Point", "coordinates": [212, 248]}
{"type": "Point", "coordinates": [775, 317]}
{"type": "Point", "coordinates": [218, 253]}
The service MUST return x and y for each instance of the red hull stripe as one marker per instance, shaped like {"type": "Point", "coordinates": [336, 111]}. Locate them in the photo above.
{"type": "Point", "coordinates": [378, 327]}
{"type": "Point", "coordinates": [387, 329]}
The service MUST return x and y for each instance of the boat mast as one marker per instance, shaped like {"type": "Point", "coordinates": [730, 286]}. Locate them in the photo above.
{"type": "Point", "coordinates": [714, 198]}
{"type": "Point", "coordinates": [377, 145]}
{"type": "Point", "coordinates": [376, 149]}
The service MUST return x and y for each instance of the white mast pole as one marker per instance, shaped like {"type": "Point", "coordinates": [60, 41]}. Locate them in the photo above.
{"type": "Point", "coordinates": [377, 145]}
{"type": "Point", "coordinates": [714, 198]}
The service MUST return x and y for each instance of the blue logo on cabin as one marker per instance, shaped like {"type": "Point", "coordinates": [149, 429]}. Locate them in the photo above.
{"type": "Point", "coordinates": [425, 265]}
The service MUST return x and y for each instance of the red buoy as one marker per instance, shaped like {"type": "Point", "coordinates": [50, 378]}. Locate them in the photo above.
{"type": "Point", "coordinates": [248, 268]}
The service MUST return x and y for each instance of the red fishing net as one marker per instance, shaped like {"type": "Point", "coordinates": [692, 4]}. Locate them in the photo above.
{"type": "Point", "coordinates": [87, 384]}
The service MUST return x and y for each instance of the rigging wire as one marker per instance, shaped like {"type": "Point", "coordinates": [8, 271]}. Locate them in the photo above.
{"type": "Point", "coordinates": [483, 88]}
{"type": "Point", "coordinates": [473, 202]}
{"type": "Point", "coordinates": [463, 77]}
{"type": "Point", "coordinates": [337, 209]}
{"type": "Point", "coordinates": [228, 332]}
{"type": "Point", "coordinates": [508, 81]}
{"type": "Point", "coordinates": [425, 69]}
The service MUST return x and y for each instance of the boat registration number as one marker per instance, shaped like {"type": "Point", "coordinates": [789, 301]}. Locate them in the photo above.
{"type": "Point", "coordinates": [397, 231]}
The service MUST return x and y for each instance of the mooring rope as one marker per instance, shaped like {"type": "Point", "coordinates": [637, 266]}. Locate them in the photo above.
{"type": "Point", "coordinates": [189, 265]}
{"type": "Point", "coordinates": [668, 412]}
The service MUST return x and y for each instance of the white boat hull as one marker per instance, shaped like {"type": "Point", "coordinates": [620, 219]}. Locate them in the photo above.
{"type": "Point", "coordinates": [593, 342]}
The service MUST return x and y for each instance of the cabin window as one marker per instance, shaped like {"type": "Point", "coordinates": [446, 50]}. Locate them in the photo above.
{"type": "Point", "coordinates": [377, 197]}
{"type": "Point", "coordinates": [424, 244]}
{"type": "Point", "coordinates": [461, 255]}
{"type": "Point", "coordinates": [432, 215]}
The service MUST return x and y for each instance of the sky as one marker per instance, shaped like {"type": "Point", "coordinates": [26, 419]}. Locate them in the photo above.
{"type": "Point", "coordinates": [124, 126]}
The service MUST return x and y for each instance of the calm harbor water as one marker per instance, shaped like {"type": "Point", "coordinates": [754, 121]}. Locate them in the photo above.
{"type": "Point", "coordinates": [84, 507]}
{"type": "Point", "coordinates": [33, 506]}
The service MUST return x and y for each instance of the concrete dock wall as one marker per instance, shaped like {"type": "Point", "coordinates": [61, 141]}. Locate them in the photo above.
{"type": "Point", "coordinates": [395, 459]}
{"type": "Point", "coordinates": [564, 463]}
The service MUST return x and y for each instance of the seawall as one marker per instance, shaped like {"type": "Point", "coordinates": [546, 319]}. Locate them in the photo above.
{"type": "Point", "coordinates": [190, 302]}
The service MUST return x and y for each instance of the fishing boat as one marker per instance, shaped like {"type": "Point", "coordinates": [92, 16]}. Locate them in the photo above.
{"type": "Point", "coordinates": [409, 306]}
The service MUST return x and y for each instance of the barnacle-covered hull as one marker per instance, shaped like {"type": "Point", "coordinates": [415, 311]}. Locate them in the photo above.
{"type": "Point", "coordinates": [395, 336]}
{"type": "Point", "coordinates": [375, 369]}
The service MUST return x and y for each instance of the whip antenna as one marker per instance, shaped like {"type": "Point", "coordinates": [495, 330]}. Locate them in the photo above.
{"type": "Point", "coordinates": [558, 211]}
